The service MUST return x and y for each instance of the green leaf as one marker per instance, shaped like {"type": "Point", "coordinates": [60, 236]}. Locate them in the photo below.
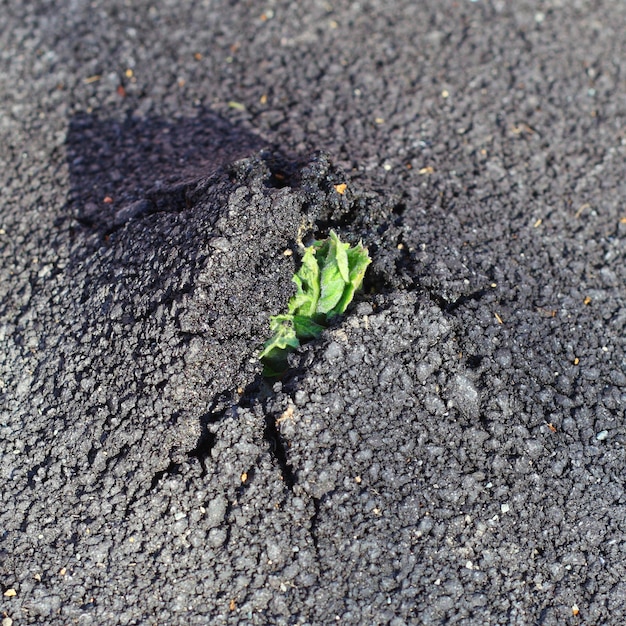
{"type": "Point", "coordinates": [333, 274]}
{"type": "Point", "coordinates": [341, 255]}
{"type": "Point", "coordinates": [330, 274]}
{"type": "Point", "coordinates": [306, 328]}
{"type": "Point", "coordinates": [307, 281]}
{"type": "Point", "coordinates": [283, 336]}
{"type": "Point", "coordinates": [332, 289]}
{"type": "Point", "coordinates": [358, 260]}
{"type": "Point", "coordinates": [278, 346]}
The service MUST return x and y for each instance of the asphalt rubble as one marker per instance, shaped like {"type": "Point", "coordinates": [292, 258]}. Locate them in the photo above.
{"type": "Point", "coordinates": [450, 451]}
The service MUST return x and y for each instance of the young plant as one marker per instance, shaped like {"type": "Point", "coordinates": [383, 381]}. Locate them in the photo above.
{"type": "Point", "coordinates": [330, 274]}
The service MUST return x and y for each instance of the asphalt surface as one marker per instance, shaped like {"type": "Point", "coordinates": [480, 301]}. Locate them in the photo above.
{"type": "Point", "coordinates": [452, 451]}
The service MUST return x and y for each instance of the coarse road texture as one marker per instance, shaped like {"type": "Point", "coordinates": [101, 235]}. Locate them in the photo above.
{"type": "Point", "coordinates": [451, 451]}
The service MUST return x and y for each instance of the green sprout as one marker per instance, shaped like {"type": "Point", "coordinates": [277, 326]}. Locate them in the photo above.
{"type": "Point", "coordinates": [330, 274]}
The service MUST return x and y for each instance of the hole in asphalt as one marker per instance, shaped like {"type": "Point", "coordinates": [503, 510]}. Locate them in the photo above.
{"type": "Point", "coordinates": [171, 469]}
{"type": "Point", "coordinates": [278, 449]}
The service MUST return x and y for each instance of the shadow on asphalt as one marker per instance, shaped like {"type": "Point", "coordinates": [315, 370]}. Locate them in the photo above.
{"type": "Point", "coordinates": [114, 165]}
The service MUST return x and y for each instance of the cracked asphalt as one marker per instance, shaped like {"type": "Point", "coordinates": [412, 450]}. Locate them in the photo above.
{"type": "Point", "coordinates": [451, 451]}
